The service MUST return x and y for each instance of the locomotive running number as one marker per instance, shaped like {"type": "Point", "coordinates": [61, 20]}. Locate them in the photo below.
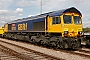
{"type": "Point", "coordinates": [22, 26]}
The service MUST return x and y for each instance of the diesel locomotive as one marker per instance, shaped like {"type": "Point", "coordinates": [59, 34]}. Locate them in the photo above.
{"type": "Point", "coordinates": [1, 31]}
{"type": "Point", "coordinates": [61, 29]}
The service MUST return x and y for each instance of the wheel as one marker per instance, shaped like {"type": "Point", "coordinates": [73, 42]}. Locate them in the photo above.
{"type": "Point", "coordinates": [79, 43]}
{"type": "Point", "coordinates": [65, 45]}
{"type": "Point", "coordinates": [88, 42]}
{"type": "Point", "coordinates": [61, 45]}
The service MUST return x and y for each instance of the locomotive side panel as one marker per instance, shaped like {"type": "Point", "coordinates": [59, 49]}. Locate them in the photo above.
{"type": "Point", "coordinates": [55, 24]}
{"type": "Point", "coordinates": [39, 25]}
{"type": "Point", "coordinates": [36, 25]}
{"type": "Point", "coordinates": [22, 26]}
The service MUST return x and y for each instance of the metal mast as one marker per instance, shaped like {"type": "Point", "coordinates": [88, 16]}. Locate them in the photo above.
{"type": "Point", "coordinates": [41, 6]}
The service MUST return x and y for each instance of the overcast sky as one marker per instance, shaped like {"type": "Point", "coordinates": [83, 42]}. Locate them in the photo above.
{"type": "Point", "coordinates": [15, 9]}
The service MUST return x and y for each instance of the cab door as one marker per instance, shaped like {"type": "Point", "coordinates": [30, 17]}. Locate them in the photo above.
{"type": "Point", "coordinates": [54, 24]}
{"type": "Point", "coordinates": [6, 28]}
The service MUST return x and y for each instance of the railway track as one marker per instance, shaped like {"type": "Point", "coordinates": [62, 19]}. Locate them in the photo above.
{"type": "Point", "coordinates": [82, 53]}
{"type": "Point", "coordinates": [4, 56]}
{"type": "Point", "coordinates": [24, 53]}
{"type": "Point", "coordinates": [41, 56]}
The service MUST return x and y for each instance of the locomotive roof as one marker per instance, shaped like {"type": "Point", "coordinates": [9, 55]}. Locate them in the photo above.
{"type": "Point", "coordinates": [53, 13]}
{"type": "Point", "coordinates": [60, 12]}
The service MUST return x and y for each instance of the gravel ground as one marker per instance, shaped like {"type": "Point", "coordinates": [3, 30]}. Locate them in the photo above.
{"type": "Point", "coordinates": [63, 55]}
{"type": "Point", "coordinates": [4, 56]}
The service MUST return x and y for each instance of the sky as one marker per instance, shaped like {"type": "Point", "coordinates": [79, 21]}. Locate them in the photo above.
{"type": "Point", "coordinates": [15, 9]}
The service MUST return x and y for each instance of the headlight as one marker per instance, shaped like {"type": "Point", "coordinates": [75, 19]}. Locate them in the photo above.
{"type": "Point", "coordinates": [79, 32]}
{"type": "Point", "coordinates": [65, 32]}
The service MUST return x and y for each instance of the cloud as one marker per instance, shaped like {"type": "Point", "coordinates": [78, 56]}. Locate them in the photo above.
{"type": "Point", "coordinates": [86, 24]}
{"type": "Point", "coordinates": [51, 5]}
{"type": "Point", "coordinates": [10, 15]}
{"type": "Point", "coordinates": [19, 10]}
{"type": "Point", "coordinates": [3, 12]}
{"type": "Point", "coordinates": [30, 15]}
{"type": "Point", "coordinates": [13, 9]}
{"type": "Point", "coordinates": [79, 1]}
{"type": "Point", "coordinates": [3, 22]}
{"type": "Point", "coordinates": [6, 19]}
{"type": "Point", "coordinates": [11, 12]}
{"type": "Point", "coordinates": [4, 4]}
{"type": "Point", "coordinates": [25, 3]}
{"type": "Point", "coordinates": [20, 14]}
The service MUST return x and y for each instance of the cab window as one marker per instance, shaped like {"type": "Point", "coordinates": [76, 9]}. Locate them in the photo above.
{"type": "Point", "coordinates": [56, 20]}
{"type": "Point", "coordinates": [67, 19]}
{"type": "Point", "coordinates": [77, 20]}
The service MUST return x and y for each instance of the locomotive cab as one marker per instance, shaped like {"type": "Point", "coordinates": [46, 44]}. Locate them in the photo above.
{"type": "Point", "coordinates": [68, 26]}
{"type": "Point", "coordinates": [72, 25]}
